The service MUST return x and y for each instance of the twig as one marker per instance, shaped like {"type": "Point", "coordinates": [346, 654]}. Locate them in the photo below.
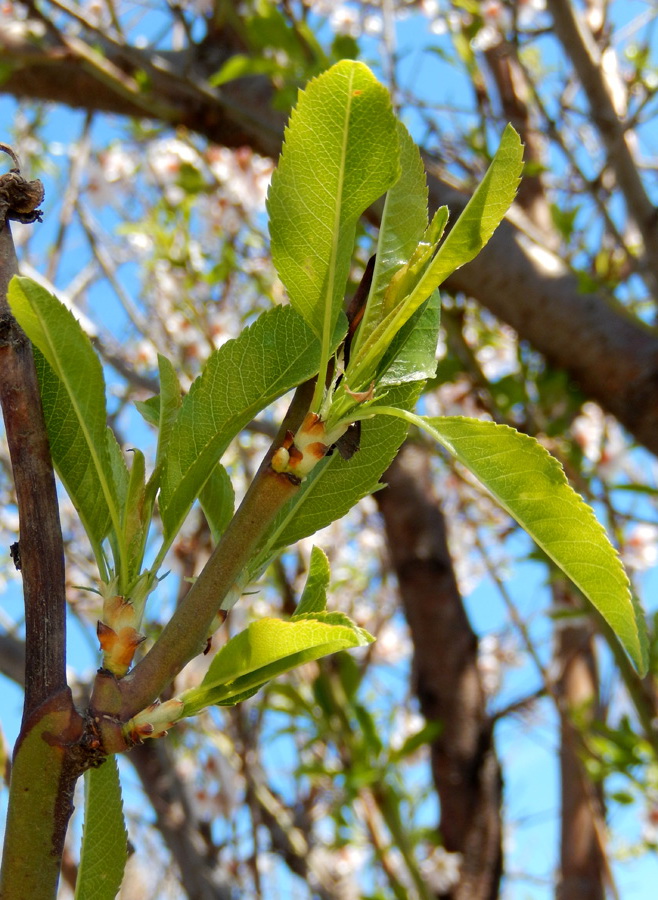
{"type": "Point", "coordinates": [584, 54]}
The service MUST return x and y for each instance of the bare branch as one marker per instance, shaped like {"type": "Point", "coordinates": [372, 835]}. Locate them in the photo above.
{"type": "Point", "coordinates": [464, 765]}
{"type": "Point", "coordinates": [581, 48]}
{"type": "Point", "coordinates": [177, 822]}
{"type": "Point", "coordinates": [41, 546]}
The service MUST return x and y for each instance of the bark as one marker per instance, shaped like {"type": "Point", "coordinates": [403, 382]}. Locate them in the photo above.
{"type": "Point", "coordinates": [44, 770]}
{"type": "Point", "coordinates": [41, 549]}
{"type": "Point", "coordinates": [176, 820]}
{"type": "Point", "coordinates": [464, 765]}
{"type": "Point", "coordinates": [611, 356]}
{"type": "Point", "coordinates": [583, 868]}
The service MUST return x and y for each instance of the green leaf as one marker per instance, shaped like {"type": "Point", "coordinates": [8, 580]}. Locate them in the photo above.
{"type": "Point", "coordinates": [482, 215]}
{"type": "Point", "coordinates": [412, 353]}
{"type": "Point", "coordinates": [268, 648]}
{"type": "Point", "coordinates": [169, 405]}
{"type": "Point", "coordinates": [340, 154]}
{"type": "Point", "coordinates": [149, 410]}
{"type": "Point", "coordinates": [217, 499]}
{"type": "Point", "coordinates": [415, 283]}
{"type": "Point", "coordinates": [104, 840]}
{"type": "Point", "coordinates": [397, 307]}
{"type": "Point", "coordinates": [73, 390]}
{"type": "Point", "coordinates": [241, 66]}
{"type": "Point", "coordinates": [403, 224]}
{"type": "Point", "coordinates": [314, 595]}
{"type": "Point", "coordinates": [136, 513]}
{"type": "Point", "coordinates": [243, 376]}
{"type": "Point", "coordinates": [531, 486]}
{"type": "Point", "coordinates": [70, 457]}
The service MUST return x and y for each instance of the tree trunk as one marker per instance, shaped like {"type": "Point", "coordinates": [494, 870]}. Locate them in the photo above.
{"type": "Point", "coordinates": [464, 765]}
{"type": "Point", "coordinates": [582, 864]}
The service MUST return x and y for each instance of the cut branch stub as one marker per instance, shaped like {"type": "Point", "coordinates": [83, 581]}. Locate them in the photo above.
{"type": "Point", "coordinates": [19, 198]}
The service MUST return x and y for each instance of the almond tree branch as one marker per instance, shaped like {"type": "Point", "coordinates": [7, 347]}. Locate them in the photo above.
{"type": "Point", "coordinates": [44, 771]}
{"type": "Point", "coordinates": [464, 764]}
{"type": "Point", "coordinates": [41, 545]}
{"type": "Point", "coordinates": [177, 822]}
{"type": "Point", "coordinates": [581, 49]}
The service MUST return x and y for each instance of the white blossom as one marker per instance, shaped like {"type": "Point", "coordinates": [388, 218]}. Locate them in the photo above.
{"type": "Point", "coordinates": [494, 656]}
{"type": "Point", "coordinates": [441, 870]}
{"type": "Point", "coordinates": [640, 550]}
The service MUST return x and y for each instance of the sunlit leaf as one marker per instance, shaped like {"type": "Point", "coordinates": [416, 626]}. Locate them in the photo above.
{"type": "Point", "coordinates": [268, 648]}
{"type": "Point", "coordinates": [340, 154]}
{"type": "Point", "coordinates": [242, 377]}
{"type": "Point", "coordinates": [314, 595]}
{"type": "Point", "coordinates": [402, 225]}
{"type": "Point", "coordinates": [532, 487]}
{"type": "Point", "coordinates": [482, 215]}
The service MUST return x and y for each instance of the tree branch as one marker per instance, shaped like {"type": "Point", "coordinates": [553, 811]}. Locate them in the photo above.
{"type": "Point", "coordinates": [464, 765]}
{"type": "Point", "coordinates": [177, 822]}
{"type": "Point", "coordinates": [41, 545]}
{"type": "Point", "coordinates": [611, 356]}
{"type": "Point", "coordinates": [581, 49]}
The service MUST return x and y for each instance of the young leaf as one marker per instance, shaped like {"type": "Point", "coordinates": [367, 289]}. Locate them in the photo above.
{"type": "Point", "coordinates": [243, 376]}
{"type": "Point", "coordinates": [268, 648]}
{"type": "Point", "coordinates": [470, 233]}
{"type": "Point", "coordinates": [340, 154]}
{"type": "Point", "coordinates": [482, 215]}
{"type": "Point", "coordinates": [170, 403]}
{"type": "Point", "coordinates": [73, 390]}
{"type": "Point", "coordinates": [403, 223]}
{"type": "Point", "coordinates": [532, 487]}
{"type": "Point", "coordinates": [136, 514]}
{"type": "Point", "coordinates": [314, 595]}
{"type": "Point", "coordinates": [412, 354]}
{"type": "Point", "coordinates": [68, 449]}
{"type": "Point", "coordinates": [104, 840]}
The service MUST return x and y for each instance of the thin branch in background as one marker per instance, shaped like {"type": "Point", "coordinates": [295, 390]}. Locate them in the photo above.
{"type": "Point", "coordinates": [559, 138]}
{"type": "Point", "coordinates": [581, 49]}
{"type": "Point", "coordinates": [108, 268]}
{"type": "Point", "coordinates": [76, 169]}
{"type": "Point", "coordinates": [570, 731]}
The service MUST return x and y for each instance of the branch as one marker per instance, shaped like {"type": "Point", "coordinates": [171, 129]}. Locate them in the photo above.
{"type": "Point", "coordinates": [581, 49]}
{"type": "Point", "coordinates": [12, 658]}
{"type": "Point", "coordinates": [464, 765]}
{"type": "Point", "coordinates": [610, 355]}
{"type": "Point", "coordinates": [58, 71]}
{"type": "Point", "coordinates": [177, 822]}
{"type": "Point", "coordinates": [41, 545]}
{"type": "Point", "coordinates": [583, 868]}
{"type": "Point", "coordinates": [186, 633]}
